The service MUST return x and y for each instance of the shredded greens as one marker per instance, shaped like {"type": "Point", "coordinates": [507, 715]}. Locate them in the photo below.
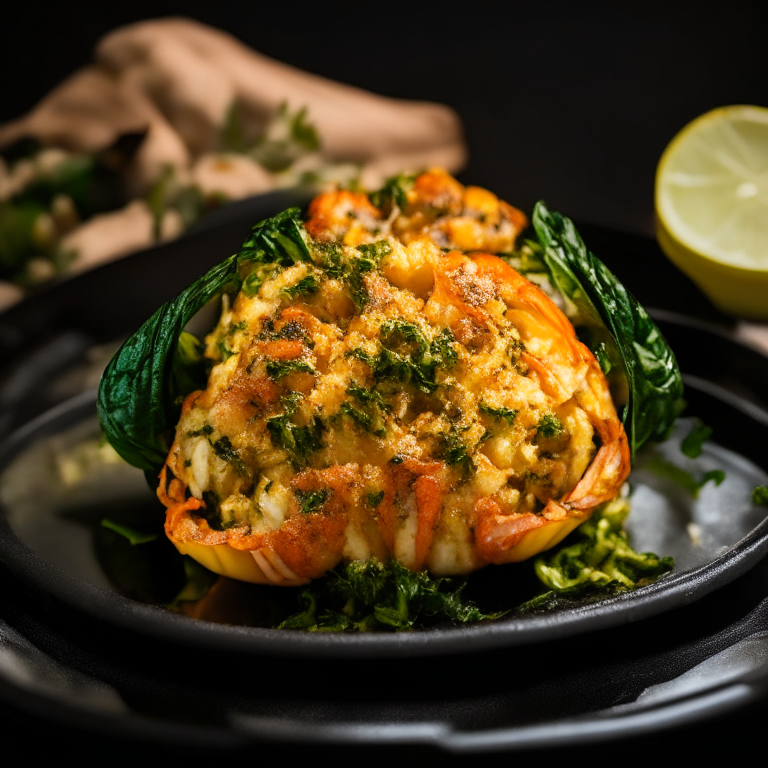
{"type": "Point", "coordinates": [599, 559]}
{"type": "Point", "coordinates": [366, 596]}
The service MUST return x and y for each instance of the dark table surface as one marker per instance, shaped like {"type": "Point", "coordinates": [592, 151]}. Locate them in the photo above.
{"type": "Point", "coordinates": [568, 104]}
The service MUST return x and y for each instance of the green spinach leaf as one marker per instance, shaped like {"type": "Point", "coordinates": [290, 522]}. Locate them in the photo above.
{"type": "Point", "coordinates": [144, 385]}
{"type": "Point", "coordinates": [615, 327]}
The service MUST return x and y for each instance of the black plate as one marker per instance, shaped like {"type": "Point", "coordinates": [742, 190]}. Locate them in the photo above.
{"type": "Point", "coordinates": [734, 536]}
{"type": "Point", "coordinates": [562, 687]}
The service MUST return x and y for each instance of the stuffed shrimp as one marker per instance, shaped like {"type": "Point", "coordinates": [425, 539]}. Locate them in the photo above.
{"type": "Point", "coordinates": [380, 385]}
{"type": "Point", "coordinates": [391, 398]}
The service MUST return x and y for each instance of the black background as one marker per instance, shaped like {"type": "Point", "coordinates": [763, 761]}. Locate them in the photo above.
{"type": "Point", "coordinates": [564, 102]}
{"type": "Point", "coordinates": [572, 102]}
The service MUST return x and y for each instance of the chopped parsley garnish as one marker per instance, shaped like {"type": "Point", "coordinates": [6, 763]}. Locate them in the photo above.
{"type": "Point", "coordinates": [222, 345]}
{"type": "Point", "coordinates": [361, 354]}
{"type": "Point", "coordinates": [224, 350]}
{"type": "Point", "coordinates": [454, 451]}
{"type": "Point", "coordinates": [408, 334]}
{"type": "Point", "coordinates": [311, 501]}
{"type": "Point", "coordinates": [504, 414]}
{"type": "Point", "coordinates": [298, 442]}
{"type": "Point", "coordinates": [350, 266]}
{"type": "Point", "coordinates": [549, 426]}
{"type": "Point", "coordinates": [260, 274]}
{"type": "Point", "coordinates": [407, 357]}
{"type": "Point", "coordinates": [330, 258]}
{"type": "Point", "coordinates": [290, 403]}
{"type": "Point", "coordinates": [364, 420]}
{"type": "Point", "coordinates": [205, 430]}
{"type": "Point", "coordinates": [369, 416]}
{"type": "Point", "coordinates": [393, 193]}
{"type": "Point", "coordinates": [309, 284]}
{"type": "Point", "coordinates": [359, 417]}
{"type": "Point", "coordinates": [695, 439]}
{"type": "Point", "coordinates": [377, 250]}
{"type": "Point", "coordinates": [442, 348]}
{"type": "Point", "coordinates": [276, 369]}
{"type": "Point", "coordinates": [374, 499]}
{"type": "Point", "coordinates": [224, 450]}
{"type": "Point", "coordinates": [357, 268]}
{"type": "Point", "coordinates": [367, 396]}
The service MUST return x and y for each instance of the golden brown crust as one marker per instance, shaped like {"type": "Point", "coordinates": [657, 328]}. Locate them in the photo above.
{"type": "Point", "coordinates": [318, 441]}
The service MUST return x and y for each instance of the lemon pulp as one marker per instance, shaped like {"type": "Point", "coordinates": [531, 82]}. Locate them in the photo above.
{"type": "Point", "coordinates": [712, 207]}
{"type": "Point", "coordinates": [712, 186]}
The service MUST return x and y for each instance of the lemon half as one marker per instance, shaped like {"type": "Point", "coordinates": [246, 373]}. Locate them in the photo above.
{"type": "Point", "coordinates": [712, 206]}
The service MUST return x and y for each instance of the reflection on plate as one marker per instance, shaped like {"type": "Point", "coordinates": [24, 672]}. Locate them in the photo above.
{"type": "Point", "coordinates": [60, 482]}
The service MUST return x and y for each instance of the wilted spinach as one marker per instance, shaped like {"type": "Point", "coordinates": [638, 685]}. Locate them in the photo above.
{"type": "Point", "coordinates": [371, 595]}
{"type": "Point", "coordinates": [142, 389]}
{"type": "Point", "coordinates": [616, 327]}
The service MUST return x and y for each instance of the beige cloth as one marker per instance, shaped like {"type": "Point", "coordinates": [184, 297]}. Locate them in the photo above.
{"type": "Point", "coordinates": [177, 78]}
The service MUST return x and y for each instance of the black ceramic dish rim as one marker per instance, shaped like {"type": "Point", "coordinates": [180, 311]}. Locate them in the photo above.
{"type": "Point", "coordinates": [671, 591]}
{"type": "Point", "coordinates": [601, 726]}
